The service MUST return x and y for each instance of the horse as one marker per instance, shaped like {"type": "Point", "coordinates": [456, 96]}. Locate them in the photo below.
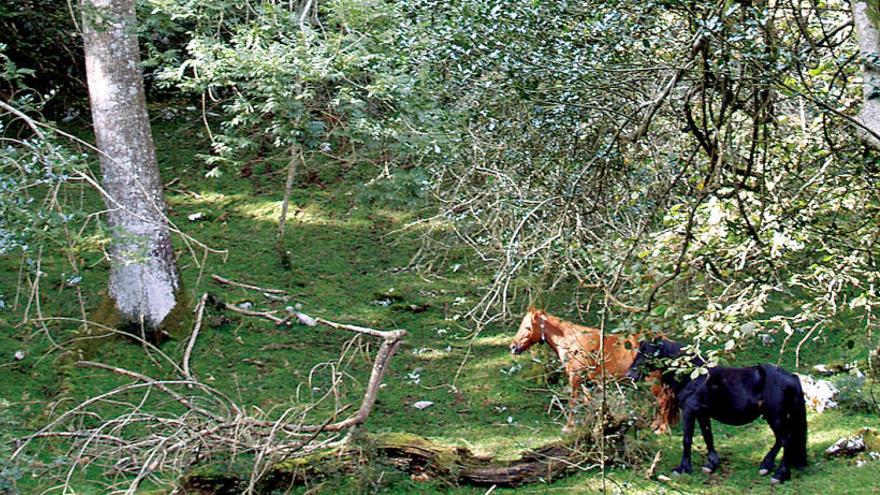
{"type": "Point", "coordinates": [734, 396]}
{"type": "Point", "coordinates": [577, 347]}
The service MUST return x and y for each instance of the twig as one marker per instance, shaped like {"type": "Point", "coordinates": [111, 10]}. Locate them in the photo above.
{"type": "Point", "coordinates": [269, 315]}
{"type": "Point", "coordinates": [226, 281]}
{"type": "Point", "coordinates": [295, 154]}
{"type": "Point", "coordinates": [163, 386]}
{"type": "Point", "coordinates": [652, 470]}
{"type": "Point", "coordinates": [187, 354]}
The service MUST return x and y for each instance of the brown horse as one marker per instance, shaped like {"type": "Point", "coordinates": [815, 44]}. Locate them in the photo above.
{"type": "Point", "coordinates": [578, 348]}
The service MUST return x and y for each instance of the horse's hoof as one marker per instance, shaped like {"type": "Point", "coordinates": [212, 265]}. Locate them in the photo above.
{"type": "Point", "coordinates": [775, 481]}
{"type": "Point", "coordinates": [707, 470]}
{"type": "Point", "coordinates": [675, 474]}
{"type": "Point", "coordinates": [567, 429]}
{"type": "Point", "coordinates": [763, 472]}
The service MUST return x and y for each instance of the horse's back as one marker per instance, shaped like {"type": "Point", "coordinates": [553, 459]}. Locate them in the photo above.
{"type": "Point", "coordinates": [734, 395]}
{"type": "Point", "coordinates": [780, 386]}
{"type": "Point", "coordinates": [739, 396]}
{"type": "Point", "coordinates": [620, 351]}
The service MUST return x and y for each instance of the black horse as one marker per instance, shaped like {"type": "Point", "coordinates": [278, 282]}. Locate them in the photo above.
{"type": "Point", "coordinates": [735, 396]}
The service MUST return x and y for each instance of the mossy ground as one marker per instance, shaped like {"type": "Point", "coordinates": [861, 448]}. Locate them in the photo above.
{"type": "Point", "coordinates": [346, 265]}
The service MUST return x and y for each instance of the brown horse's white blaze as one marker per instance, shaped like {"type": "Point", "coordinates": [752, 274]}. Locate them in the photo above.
{"type": "Point", "coordinates": [578, 348]}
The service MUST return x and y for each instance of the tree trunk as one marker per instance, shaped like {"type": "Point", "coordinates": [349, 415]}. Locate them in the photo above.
{"type": "Point", "coordinates": [143, 277]}
{"type": "Point", "coordinates": [866, 18]}
{"type": "Point", "coordinates": [423, 459]}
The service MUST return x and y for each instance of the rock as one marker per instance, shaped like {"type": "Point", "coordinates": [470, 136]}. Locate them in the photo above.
{"type": "Point", "coordinates": [819, 394]}
{"type": "Point", "coordinates": [867, 439]}
{"type": "Point", "coordinates": [19, 355]}
{"type": "Point", "coordinates": [826, 370]}
{"type": "Point", "coordinates": [846, 447]}
{"type": "Point", "coordinates": [423, 404]}
{"type": "Point", "coordinates": [195, 217]}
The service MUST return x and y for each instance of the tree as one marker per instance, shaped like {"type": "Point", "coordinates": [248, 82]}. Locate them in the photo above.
{"type": "Point", "coordinates": [866, 18]}
{"type": "Point", "coordinates": [143, 276]}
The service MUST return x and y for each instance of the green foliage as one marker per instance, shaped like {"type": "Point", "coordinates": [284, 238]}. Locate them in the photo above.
{"type": "Point", "coordinates": [856, 394]}
{"type": "Point", "coordinates": [336, 82]}
{"type": "Point", "coordinates": [34, 167]}
{"type": "Point", "coordinates": [689, 158]}
{"type": "Point", "coordinates": [336, 244]}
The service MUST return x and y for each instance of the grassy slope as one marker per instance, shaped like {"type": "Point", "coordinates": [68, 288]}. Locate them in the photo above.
{"type": "Point", "coordinates": [342, 261]}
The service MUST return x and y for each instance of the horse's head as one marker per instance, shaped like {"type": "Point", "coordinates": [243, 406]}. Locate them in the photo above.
{"type": "Point", "coordinates": [651, 356]}
{"type": "Point", "coordinates": [531, 330]}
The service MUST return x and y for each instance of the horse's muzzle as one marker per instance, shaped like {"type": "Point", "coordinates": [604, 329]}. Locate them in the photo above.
{"type": "Point", "coordinates": [515, 349]}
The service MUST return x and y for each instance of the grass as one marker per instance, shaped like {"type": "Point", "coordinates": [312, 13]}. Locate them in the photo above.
{"type": "Point", "coordinates": [344, 261]}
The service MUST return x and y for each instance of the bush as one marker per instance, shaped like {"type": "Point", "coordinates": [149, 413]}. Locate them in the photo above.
{"type": "Point", "coordinates": [856, 394]}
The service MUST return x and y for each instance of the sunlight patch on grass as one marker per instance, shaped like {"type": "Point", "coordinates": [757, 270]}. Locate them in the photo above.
{"type": "Point", "coordinates": [205, 199]}
{"type": "Point", "coordinates": [500, 340]}
{"type": "Point", "coordinates": [270, 211]}
{"type": "Point", "coordinates": [491, 363]}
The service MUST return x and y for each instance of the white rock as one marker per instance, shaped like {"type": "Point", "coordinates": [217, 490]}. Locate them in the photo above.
{"type": "Point", "coordinates": [819, 394]}
{"type": "Point", "coordinates": [195, 217]}
{"type": "Point", "coordinates": [423, 404]}
{"type": "Point", "coordinates": [846, 446]}
{"type": "Point", "coordinates": [19, 355]}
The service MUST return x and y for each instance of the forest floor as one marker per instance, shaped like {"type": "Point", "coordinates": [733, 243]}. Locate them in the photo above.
{"type": "Point", "coordinates": [347, 264]}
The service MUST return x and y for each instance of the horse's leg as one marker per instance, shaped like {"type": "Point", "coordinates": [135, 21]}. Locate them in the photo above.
{"type": "Point", "coordinates": [779, 432]}
{"type": "Point", "coordinates": [712, 460]}
{"type": "Point", "coordinates": [574, 379]}
{"type": "Point", "coordinates": [687, 422]}
{"type": "Point", "coordinates": [782, 472]}
{"type": "Point", "coordinates": [769, 461]}
{"type": "Point", "coordinates": [667, 407]}
{"type": "Point", "coordinates": [659, 425]}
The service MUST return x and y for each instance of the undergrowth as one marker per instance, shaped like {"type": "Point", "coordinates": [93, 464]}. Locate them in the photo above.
{"type": "Point", "coordinates": [348, 263]}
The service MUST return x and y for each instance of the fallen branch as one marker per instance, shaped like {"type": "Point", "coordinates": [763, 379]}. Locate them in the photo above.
{"type": "Point", "coordinates": [140, 436]}
{"type": "Point", "coordinates": [226, 281]}
{"type": "Point", "coordinates": [200, 311]}
{"type": "Point", "coordinates": [390, 341]}
{"type": "Point", "coordinates": [269, 315]}
{"type": "Point", "coordinates": [424, 459]}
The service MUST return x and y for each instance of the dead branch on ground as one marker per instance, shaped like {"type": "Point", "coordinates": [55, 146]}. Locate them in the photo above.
{"type": "Point", "coordinates": [226, 281]}
{"type": "Point", "coordinates": [149, 428]}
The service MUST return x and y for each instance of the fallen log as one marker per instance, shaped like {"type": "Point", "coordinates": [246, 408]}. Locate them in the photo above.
{"type": "Point", "coordinates": [424, 460]}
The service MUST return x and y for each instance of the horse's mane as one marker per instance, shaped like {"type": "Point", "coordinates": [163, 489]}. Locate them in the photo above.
{"type": "Point", "coordinates": [565, 326]}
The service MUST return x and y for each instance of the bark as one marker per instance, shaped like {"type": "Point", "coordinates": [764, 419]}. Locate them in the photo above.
{"type": "Point", "coordinates": [143, 277]}
{"type": "Point", "coordinates": [866, 18]}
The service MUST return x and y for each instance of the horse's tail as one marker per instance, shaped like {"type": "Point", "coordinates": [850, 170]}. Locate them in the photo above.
{"type": "Point", "coordinates": [796, 450]}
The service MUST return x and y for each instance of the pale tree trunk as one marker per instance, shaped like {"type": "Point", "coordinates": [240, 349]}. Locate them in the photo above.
{"type": "Point", "coordinates": [143, 277]}
{"type": "Point", "coordinates": [866, 18]}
